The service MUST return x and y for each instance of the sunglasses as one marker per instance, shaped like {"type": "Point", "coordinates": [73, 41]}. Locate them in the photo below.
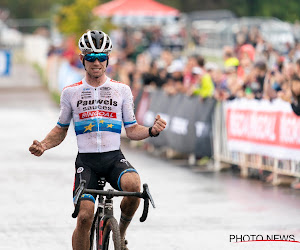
{"type": "Point", "coordinates": [93, 56]}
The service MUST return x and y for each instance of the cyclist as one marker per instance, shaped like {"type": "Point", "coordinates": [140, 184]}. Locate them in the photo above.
{"type": "Point", "coordinates": [98, 106]}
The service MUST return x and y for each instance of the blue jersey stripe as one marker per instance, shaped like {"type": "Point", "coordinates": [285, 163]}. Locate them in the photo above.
{"type": "Point", "coordinates": [100, 121]}
{"type": "Point", "coordinates": [63, 125]}
{"type": "Point", "coordinates": [98, 125]}
{"type": "Point", "coordinates": [129, 123]}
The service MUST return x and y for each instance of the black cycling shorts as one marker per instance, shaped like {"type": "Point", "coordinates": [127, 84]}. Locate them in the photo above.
{"type": "Point", "coordinates": [92, 166]}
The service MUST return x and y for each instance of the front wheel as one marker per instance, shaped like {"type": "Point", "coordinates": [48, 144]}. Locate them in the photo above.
{"type": "Point", "coordinates": [111, 235]}
{"type": "Point", "coordinates": [94, 236]}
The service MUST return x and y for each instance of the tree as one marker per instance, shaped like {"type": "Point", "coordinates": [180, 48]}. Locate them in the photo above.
{"type": "Point", "coordinates": [31, 8]}
{"type": "Point", "coordinates": [284, 10]}
{"type": "Point", "coordinates": [76, 18]}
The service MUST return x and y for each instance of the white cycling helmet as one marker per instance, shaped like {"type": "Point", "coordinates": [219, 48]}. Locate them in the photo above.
{"type": "Point", "coordinates": [95, 41]}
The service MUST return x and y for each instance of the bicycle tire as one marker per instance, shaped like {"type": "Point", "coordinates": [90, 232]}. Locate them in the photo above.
{"type": "Point", "coordinates": [94, 235]}
{"type": "Point", "coordinates": [111, 235]}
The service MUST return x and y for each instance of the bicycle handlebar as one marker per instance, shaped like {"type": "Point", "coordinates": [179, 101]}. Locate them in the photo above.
{"type": "Point", "coordinates": [112, 193]}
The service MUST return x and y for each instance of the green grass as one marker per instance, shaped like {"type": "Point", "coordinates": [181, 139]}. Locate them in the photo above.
{"type": "Point", "coordinates": [54, 94]}
{"type": "Point", "coordinates": [41, 73]}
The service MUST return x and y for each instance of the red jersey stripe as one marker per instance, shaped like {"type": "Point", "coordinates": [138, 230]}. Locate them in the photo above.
{"type": "Point", "coordinates": [73, 85]}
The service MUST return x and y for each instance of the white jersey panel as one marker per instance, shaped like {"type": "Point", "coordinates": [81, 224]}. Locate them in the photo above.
{"type": "Point", "coordinates": [97, 114]}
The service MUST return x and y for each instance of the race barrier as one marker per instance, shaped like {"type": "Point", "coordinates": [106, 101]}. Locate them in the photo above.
{"type": "Point", "coordinates": [189, 121]}
{"type": "Point", "coordinates": [253, 134]}
{"type": "Point", "coordinates": [258, 135]}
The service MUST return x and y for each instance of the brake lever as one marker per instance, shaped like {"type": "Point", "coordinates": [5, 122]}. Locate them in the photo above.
{"type": "Point", "coordinates": [79, 191]}
{"type": "Point", "coordinates": [77, 200]}
{"type": "Point", "coordinates": [149, 195]}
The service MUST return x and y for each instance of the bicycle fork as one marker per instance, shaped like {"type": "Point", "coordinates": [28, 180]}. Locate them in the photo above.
{"type": "Point", "coordinates": [105, 212]}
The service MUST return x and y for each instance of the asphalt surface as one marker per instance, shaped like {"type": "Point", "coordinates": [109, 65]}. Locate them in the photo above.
{"type": "Point", "coordinates": [195, 210]}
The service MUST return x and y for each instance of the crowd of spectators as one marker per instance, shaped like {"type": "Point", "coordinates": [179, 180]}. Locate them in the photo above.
{"type": "Point", "coordinates": [252, 69]}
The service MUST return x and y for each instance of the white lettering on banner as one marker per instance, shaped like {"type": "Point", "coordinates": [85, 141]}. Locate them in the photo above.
{"type": "Point", "coordinates": [252, 125]}
{"type": "Point", "coordinates": [262, 126]}
{"type": "Point", "coordinates": [238, 123]}
{"type": "Point", "coordinates": [289, 129]}
{"type": "Point", "coordinates": [200, 128]}
{"type": "Point", "coordinates": [179, 125]}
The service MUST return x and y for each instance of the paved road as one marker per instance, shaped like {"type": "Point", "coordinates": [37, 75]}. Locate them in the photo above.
{"type": "Point", "coordinates": [194, 210]}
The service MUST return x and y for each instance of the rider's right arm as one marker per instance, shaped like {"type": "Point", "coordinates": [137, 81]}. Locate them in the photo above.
{"type": "Point", "coordinates": [54, 138]}
{"type": "Point", "coordinates": [59, 132]}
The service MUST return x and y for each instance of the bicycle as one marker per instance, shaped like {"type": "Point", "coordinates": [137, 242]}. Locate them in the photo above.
{"type": "Point", "coordinates": [105, 233]}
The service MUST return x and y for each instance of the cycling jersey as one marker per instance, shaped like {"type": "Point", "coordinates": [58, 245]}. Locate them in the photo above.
{"type": "Point", "coordinates": [98, 113]}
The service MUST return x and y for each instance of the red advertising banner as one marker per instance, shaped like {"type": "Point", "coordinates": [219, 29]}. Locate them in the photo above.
{"type": "Point", "coordinates": [254, 126]}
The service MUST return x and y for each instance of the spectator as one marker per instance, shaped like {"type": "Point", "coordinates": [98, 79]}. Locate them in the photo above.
{"type": "Point", "coordinates": [297, 51]}
{"type": "Point", "coordinates": [297, 67]}
{"type": "Point", "coordinates": [255, 80]}
{"type": "Point", "coordinates": [288, 71]}
{"type": "Point", "coordinates": [295, 90]}
{"type": "Point", "coordinates": [135, 45]}
{"type": "Point", "coordinates": [253, 36]}
{"type": "Point", "coordinates": [241, 39]}
{"type": "Point", "coordinates": [152, 78]}
{"type": "Point", "coordinates": [205, 87]}
{"type": "Point", "coordinates": [234, 83]}
{"type": "Point", "coordinates": [229, 59]}
{"type": "Point", "coordinates": [247, 54]}
{"type": "Point", "coordinates": [174, 82]}
{"type": "Point", "coordinates": [155, 47]}
{"type": "Point", "coordinates": [273, 84]}
{"type": "Point", "coordinates": [221, 92]}
{"type": "Point", "coordinates": [190, 78]}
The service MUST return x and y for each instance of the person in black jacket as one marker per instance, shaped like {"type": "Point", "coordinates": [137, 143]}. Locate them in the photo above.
{"type": "Point", "coordinates": [295, 89]}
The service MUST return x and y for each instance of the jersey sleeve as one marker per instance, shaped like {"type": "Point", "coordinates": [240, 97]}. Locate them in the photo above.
{"type": "Point", "coordinates": [128, 108]}
{"type": "Point", "coordinates": [65, 115]}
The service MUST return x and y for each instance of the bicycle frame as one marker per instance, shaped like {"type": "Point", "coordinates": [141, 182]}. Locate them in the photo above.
{"type": "Point", "coordinates": [97, 221]}
{"type": "Point", "coordinates": [104, 211]}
